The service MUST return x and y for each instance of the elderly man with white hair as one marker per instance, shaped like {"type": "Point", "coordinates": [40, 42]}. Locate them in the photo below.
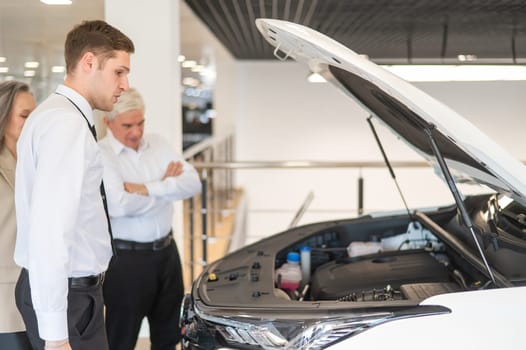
{"type": "Point", "coordinates": [143, 176]}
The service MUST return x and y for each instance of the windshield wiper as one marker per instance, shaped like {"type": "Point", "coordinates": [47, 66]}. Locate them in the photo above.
{"type": "Point", "coordinates": [456, 195]}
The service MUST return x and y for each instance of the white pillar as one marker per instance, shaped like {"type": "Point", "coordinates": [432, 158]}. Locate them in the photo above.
{"type": "Point", "coordinates": [153, 26]}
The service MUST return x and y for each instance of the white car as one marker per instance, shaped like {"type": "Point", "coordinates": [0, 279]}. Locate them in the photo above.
{"type": "Point", "coordinates": [453, 277]}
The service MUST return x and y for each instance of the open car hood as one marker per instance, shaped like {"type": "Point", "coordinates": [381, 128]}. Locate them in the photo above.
{"type": "Point", "coordinates": [407, 111]}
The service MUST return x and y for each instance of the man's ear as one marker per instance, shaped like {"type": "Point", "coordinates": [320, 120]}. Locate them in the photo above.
{"type": "Point", "coordinates": [88, 61]}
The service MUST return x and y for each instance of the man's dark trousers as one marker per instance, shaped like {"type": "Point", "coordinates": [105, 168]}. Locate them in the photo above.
{"type": "Point", "coordinates": [144, 283]}
{"type": "Point", "coordinates": [85, 315]}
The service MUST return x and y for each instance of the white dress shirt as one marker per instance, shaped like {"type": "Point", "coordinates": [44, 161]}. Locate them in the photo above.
{"type": "Point", "coordinates": [62, 226]}
{"type": "Point", "coordinates": [135, 217]}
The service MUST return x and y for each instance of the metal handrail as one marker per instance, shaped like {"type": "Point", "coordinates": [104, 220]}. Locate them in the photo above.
{"type": "Point", "coordinates": [199, 147]}
{"type": "Point", "coordinates": [307, 164]}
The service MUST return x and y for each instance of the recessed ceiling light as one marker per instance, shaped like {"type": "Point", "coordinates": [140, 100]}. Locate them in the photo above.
{"type": "Point", "coordinates": [31, 64]}
{"type": "Point", "coordinates": [29, 73]}
{"type": "Point", "coordinates": [56, 2]}
{"type": "Point", "coordinates": [3, 59]}
{"type": "Point", "coordinates": [4, 69]}
{"type": "Point", "coordinates": [467, 58]}
{"type": "Point", "coordinates": [181, 58]}
{"type": "Point", "coordinates": [189, 81]}
{"type": "Point", "coordinates": [188, 64]}
{"type": "Point", "coordinates": [58, 69]}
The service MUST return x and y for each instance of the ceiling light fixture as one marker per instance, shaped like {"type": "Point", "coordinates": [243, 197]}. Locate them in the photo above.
{"type": "Point", "coordinates": [316, 78]}
{"type": "Point", "coordinates": [436, 73]}
{"type": "Point", "coordinates": [56, 2]}
{"type": "Point", "coordinates": [467, 58]}
{"type": "Point", "coordinates": [4, 69]}
{"type": "Point", "coordinates": [188, 64]}
{"type": "Point", "coordinates": [29, 73]}
{"type": "Point", "coordinates": [181, 58]}
{"type": "Point", "coordinates": [189, 81]}
{"type": "Point", "coordinates": [31, 64]}
{"type": "Point", "coordinates": [3, 59]}
{"type": "Point", "coordinates": [58, 69]}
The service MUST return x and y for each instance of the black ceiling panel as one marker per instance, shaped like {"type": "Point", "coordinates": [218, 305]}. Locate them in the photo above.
{"type": "Point", "coordinates": [388, 31]}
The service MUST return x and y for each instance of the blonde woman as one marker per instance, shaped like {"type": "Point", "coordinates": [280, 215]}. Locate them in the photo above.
{"type": "Point", "coordinates": [16, 102]}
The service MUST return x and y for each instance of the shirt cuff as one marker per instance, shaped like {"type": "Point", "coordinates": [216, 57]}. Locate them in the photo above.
{"type": "Point", "coordinates": [53, 325]}
{"type": "Point", "coordinates": [155, 189]}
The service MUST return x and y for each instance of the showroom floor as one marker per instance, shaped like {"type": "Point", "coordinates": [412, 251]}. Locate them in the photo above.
{"type": "Point", "coordinates": [144, 344]}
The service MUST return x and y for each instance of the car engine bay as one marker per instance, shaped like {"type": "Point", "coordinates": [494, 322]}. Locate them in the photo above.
{"type": "Point", "coordinates": [418, 268]}
{"type": "Point", "coordinates": [414, 265]}
{"type": "Point", "coordinates": [383, 260]}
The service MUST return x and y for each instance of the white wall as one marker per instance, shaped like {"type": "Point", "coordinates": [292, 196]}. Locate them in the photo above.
{"type": "Point", "coordinates": [155, 71]}
{"type": "Point", "coordinates": [226, 96]}
{"type": "Point", "coordinates": [282, 117]}
{"type": "Point", "coordinates": [496, 108]}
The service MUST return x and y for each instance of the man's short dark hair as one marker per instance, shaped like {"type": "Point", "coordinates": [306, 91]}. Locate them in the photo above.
{"type": "Point", "coordinates": [94, 36]}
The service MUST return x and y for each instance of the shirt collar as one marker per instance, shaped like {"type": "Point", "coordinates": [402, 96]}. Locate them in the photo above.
{"type": "Point", "coordinates": [79, 101]}
{"type": "Point", "coordinates": [118, 147]}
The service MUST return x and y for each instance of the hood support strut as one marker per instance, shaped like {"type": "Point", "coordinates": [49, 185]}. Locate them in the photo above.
{"type": "Point", "coordinates": [391, 171]}
{"type": "Point", "coordinates": [456, 195]}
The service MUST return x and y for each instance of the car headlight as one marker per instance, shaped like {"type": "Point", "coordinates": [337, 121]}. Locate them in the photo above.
{"type": "Point", "coordinates": [275, 333]}
{"type": "Point", "coordinates": [291, 334]}
{"type": "Point", "coordinates": [283, 329]}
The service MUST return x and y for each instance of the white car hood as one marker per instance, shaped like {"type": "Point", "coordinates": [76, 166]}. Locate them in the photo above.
{"type": "Point", "coordinates": [407, 111]}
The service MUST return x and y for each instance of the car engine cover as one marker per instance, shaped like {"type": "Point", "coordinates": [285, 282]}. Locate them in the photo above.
{"type": "Point", "coordinates": [337, 279]}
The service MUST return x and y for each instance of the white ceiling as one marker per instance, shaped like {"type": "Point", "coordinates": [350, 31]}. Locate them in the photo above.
{"type": "Point", "coordinates": [32, 31]}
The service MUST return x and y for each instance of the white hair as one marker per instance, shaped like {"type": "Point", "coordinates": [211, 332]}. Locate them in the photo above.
{"type": "Point", "coordinates": [128, 101]}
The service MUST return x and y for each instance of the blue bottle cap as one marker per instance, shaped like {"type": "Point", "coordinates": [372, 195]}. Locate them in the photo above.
{"type": "Point", "coordinates": [293, 257]}
{"type": "Point", "coordinates": [305, 248]}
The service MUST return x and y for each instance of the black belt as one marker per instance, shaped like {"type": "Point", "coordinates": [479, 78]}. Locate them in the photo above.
{"type": "Point", "coordinates": [87, 281]}
{"type": "Point", "coordinates": [79, 282]}
{"type": "Point", "coordinates": [158, 244]}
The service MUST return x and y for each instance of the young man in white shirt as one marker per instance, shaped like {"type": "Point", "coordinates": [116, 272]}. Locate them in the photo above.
{"type": "Point", "coordinates": [143, 175]}
{"type": "Point", "coordinates": [63, 241]}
